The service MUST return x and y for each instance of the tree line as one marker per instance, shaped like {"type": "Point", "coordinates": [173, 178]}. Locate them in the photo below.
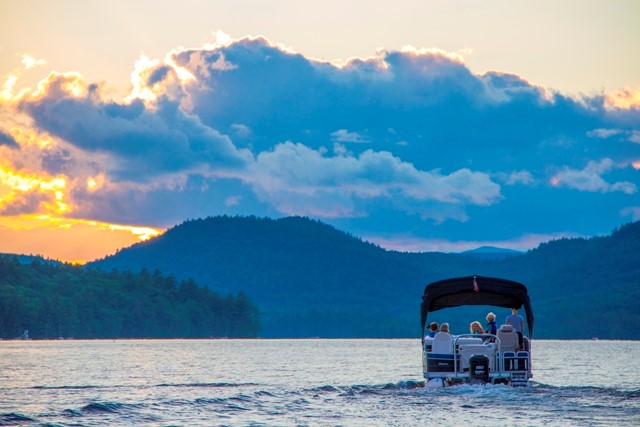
{"type": "Point", "coordinates": [63, 301]}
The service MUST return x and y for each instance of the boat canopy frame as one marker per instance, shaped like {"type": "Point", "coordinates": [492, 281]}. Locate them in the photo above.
{"type": "Point", "coordinates": [475, 290]}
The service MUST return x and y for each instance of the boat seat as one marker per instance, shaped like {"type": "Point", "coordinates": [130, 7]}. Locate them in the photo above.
{"type": "Point", "coordinates": [466, 341]}
{"type": "Point", "coordinates": [506, 328]}
{"type": "Point", "coordinates": [442, 343]}
{"type": "Point", "coordinates": [461, 342]}
{"type": "Point", "coordinates": [508, 338]}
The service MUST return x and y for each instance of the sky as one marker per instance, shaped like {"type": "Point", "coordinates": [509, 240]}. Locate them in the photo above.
{"type": "Point", "coordinates": [416, 125]}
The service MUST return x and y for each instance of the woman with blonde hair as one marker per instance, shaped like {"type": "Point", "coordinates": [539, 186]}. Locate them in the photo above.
{"type": "Point", "coordinates": [492, 328]}
{"type": "Point", "coordinates": [475, 328]}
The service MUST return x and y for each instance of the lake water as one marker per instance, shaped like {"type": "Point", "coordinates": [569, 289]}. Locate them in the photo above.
{"type": "Point", "coordinates": [302, 383]}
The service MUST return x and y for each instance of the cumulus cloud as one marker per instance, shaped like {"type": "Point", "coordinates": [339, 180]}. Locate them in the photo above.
{"type": "Point", "coordinates": [624, 99]}
{"type": "Point", "coordinates": [295, 177]}
{"type": "Point", "coordinates": [146, 141]}
{"type": "Point", "coordinates": [434, 103]}
{"type": "Point", "coordinates": [509, 88]}
{"type": "Point", "coordinates": [271, 90]}
{"type": "Point", "coordinates": [26, 192]}
{"type": "Point", "coordinates": [590, 178]}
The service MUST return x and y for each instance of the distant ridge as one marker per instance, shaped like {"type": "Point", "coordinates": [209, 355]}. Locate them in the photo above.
{"type": "Point", "coordinates": [310, 279]}
{"type": "Point", "coordinates": [491, 252]}
{"type": "Point", "coordinates": [28, 259]}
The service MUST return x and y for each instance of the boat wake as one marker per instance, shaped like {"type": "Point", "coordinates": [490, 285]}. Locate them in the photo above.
{"type": "Point", "coordinates": [203, 404]}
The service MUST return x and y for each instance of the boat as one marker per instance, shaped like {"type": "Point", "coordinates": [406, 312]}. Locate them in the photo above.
{"type": "Point", "coordinates": [471, 358]}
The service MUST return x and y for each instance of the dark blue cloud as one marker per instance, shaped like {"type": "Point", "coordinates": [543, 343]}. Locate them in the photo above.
{"type": "Point", "coordinates": [7, 140]}
{"type": "Point", "coordinates": [432, 102]}
{"type": "Point", "coordinates": [147, 142]}
{"type": "Point", "coordinates": [429, 109]}
{"type": "Point", "coordinates": [158, 75]}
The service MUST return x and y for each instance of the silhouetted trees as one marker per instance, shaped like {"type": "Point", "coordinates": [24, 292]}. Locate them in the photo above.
{"type": "Point", "coordinates": [53, 301]}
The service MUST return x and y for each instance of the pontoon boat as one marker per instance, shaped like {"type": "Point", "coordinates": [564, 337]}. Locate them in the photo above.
{"type": "Point", "coordinates": [476, 359]}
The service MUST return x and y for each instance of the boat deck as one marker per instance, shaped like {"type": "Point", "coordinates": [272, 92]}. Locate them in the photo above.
{"type": "Point", "coordinates": [476, 358]}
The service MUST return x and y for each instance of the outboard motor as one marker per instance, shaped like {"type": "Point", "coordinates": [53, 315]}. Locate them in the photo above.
{"type": "Point", "coordinates": [478, 369]}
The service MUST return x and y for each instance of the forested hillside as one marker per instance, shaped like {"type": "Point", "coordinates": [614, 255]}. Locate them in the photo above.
{"type": "Point", "coordinates": [587, 287]}
{"type": "Point", "coordinates": [310, 279]}
{"type": "Point", "coordinates": [52, 301]}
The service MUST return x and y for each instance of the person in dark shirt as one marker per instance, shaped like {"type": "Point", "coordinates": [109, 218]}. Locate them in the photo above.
{"type": "Point", "coordinates": [433, 327]}
{"type": "Point", "coordinates": [491, 328]}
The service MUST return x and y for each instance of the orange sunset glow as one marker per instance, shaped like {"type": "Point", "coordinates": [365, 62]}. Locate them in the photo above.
{"type": "Point", "coordinates": [37, 212]}
{"type": "Point", "coordinates": [70, 240]}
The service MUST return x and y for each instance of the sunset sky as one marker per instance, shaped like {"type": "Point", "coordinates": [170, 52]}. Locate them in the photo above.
{"type": "Point", "coordinates": [417, 125]}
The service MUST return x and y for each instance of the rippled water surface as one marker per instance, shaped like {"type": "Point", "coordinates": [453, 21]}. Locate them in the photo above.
{"type": "Point", "coordinates": [302, 383]}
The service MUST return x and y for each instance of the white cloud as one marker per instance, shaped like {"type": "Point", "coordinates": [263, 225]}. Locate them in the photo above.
{"type": "Point", "coordinates": [603, 133]}
{"type": "Point", "coordinates": [240, 130]}
{"type": "Point", "coordinates": [343, 135]}
{"type": "Point", "coordinates": [633, 212]}
{"type": "Point", "coordinates": [628, 135]}
{"type": "Point", "coordinates": [296, 172]}
{"type": "Point", "coordinates": [232, 201]}
{"type": "Point", "coordinates": [590, 179]}
{"type": "Point", "coordinates": [29, 62]}
{"type": "Point", "coordinates": [517, 177]}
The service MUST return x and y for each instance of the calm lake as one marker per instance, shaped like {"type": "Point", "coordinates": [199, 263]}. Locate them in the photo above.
{"type": "Point", "coordinates": [313, 382]}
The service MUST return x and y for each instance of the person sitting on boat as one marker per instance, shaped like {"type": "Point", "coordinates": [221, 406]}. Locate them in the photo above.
{"type": "Point", "coordinates": [517, 321]}
{"type": "Point", "coordinates": [445, 328]}
{"type": "Point", "coordinates": [475, 328]}
{"type": "Point", "coordinates": [433, 327]}
{"type": "Point", "coordinates": [492, 328]}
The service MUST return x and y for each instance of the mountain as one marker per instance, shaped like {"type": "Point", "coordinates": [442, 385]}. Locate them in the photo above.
{"type": "Point", "coordinates": [491, 252]}
{"type": "Point", "coordinates": [310, 279]}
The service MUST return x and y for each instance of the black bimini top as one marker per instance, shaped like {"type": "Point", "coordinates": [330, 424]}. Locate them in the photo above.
{"type": "Point", "coordinates": [475, 290]}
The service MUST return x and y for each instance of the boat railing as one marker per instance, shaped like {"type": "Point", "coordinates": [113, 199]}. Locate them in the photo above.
{"type": "Point", "coordinates": [485, 340]}
{"type": "Point", "coordinates": [462, 341]}
{"type": "Point", "coordinates": [521, 359]}
{"type": "Point", "coordinates": [487, 344]}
